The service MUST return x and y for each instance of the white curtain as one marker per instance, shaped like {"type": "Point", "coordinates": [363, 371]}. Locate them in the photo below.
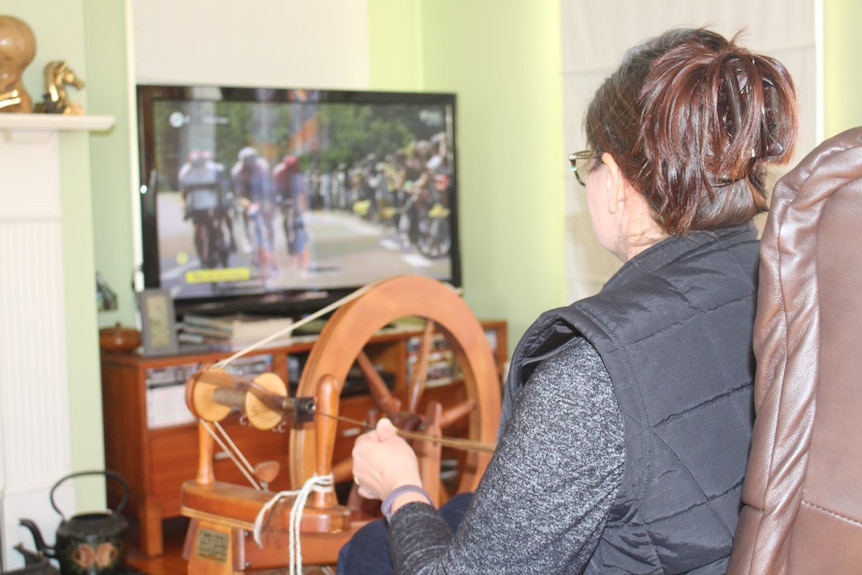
{"type": "Point", "coordinates": [596, 34]}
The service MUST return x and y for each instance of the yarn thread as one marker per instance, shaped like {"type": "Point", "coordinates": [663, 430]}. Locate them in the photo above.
{"type": "Point", "coordinates": [315, 483]}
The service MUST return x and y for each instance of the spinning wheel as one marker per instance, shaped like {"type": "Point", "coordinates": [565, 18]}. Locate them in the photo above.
{"type": "Point", "coordinates": [342, 342]}
{"type": "Point", "coordinates": [223, 515]}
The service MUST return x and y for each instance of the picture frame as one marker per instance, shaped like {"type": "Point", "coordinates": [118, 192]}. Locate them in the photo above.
{"type": "Point", "coordinates": [158, 322]}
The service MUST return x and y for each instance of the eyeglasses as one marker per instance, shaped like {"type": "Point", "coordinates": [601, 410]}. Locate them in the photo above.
{"type": "Point", "coordinates": [582, 163]}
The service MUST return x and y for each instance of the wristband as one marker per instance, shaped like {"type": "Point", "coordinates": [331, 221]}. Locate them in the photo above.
{"type": "Point", "coordinates": [386, 508]}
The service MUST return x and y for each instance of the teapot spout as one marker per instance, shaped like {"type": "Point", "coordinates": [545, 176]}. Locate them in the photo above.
{"type": "Point", "coordinates": [41, 546]}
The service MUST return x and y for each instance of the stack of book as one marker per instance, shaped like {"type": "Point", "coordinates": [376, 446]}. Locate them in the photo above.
{"type": "Point", "coordinates": [235, 332]}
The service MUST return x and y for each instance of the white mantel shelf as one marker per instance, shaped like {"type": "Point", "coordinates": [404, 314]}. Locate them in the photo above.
{"type": "Point", "coordinates": [58, 122]}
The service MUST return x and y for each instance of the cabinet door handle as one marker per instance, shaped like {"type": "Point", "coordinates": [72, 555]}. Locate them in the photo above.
{"type": "Point", "coordinates": [351, 432]}
{"type": "Point", "coordinates": [221, 456]}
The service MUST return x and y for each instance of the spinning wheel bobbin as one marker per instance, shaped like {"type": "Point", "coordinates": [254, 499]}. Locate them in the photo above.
{"type": "Point", "coordinates": [212, 394]}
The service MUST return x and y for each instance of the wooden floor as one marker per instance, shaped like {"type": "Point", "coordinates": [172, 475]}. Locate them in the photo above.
{"type": "Point", "coordinates": [171, 562]}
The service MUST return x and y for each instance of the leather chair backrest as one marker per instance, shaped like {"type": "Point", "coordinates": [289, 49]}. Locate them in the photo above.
{"type": "Point", "coordinates": [802, 510]}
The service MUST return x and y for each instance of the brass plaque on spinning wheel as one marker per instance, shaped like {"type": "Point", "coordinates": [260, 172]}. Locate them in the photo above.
{"type": "Point", "coordinates": [213, 545]}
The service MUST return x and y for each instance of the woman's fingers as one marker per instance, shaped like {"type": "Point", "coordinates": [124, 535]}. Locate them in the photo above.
{"type": "Point", "coordinates": [383, 461]}
{"type": "Point", "coordinates": [386, 430]}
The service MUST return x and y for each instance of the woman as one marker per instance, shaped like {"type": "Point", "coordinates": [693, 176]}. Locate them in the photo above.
{"type": "Point", "coordinates": [627, 416]}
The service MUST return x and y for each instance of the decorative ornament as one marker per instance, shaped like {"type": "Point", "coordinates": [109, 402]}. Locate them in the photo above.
{"type": "Point", "coordinates": [58, 75]}
{"type": "Point", "coordinates": [17, 50]}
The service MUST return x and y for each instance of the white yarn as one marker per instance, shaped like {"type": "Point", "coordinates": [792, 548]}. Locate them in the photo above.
{"type": "Point", "coordinates": [314, 483]}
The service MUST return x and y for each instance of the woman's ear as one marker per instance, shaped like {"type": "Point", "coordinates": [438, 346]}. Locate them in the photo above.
{"type": "Point", "coordinates": [616, 182]}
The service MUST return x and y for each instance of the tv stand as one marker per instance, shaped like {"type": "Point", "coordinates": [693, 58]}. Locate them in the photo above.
{"type": "Point", "coordinates": [151, 438]}
{"type": "Point", "coordinates": [273, 305]}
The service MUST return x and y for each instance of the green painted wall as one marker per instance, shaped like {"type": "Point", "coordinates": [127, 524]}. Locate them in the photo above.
{"type": "Point", "coordinates": [107, 89]}
{"type": "Point", "coordinates": [502, 59]}
{"type": "Point", "coordinates": [109, 93]}
{"type": "Point", "coordinates": [391, 24]}
{"type": "Point", "coordinates": [60, 34]}
{"type": "Point", "coordinates": [842, 44]}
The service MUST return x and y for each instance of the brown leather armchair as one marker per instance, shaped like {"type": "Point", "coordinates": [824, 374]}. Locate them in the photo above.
{"type": "Point", "coordinates": [802, 497]}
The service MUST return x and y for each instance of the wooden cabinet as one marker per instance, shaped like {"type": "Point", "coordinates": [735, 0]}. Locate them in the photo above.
{"type": "Point", "coordinates": [152, 439]}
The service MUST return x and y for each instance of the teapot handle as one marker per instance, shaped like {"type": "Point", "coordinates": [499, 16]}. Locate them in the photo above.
{"type": "Point", "coordinates": [107, 473]}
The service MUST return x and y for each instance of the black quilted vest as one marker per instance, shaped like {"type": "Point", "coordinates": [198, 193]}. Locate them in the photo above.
{"type": "Point", "coordinates": [674, 329]}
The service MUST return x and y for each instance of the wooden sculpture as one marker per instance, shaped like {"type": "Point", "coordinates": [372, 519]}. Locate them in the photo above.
{"type": "Point", "coordinates": [238, 529]}
{"type": "Point", "coordinates": [17, 50]}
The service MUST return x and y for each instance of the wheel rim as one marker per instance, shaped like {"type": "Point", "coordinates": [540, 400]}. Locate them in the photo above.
{"type": "Point", "coordinates": [353, 325]}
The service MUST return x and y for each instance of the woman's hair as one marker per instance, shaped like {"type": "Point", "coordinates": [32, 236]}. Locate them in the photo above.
{"type": "Point", "coordinates": [692, 119]}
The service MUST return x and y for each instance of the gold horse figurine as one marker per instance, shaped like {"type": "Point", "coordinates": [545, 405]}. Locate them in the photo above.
{"type": "Point", "coordinates": [58, 75]}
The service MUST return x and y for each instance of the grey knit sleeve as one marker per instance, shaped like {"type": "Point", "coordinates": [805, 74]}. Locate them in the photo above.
{"type": "Point", "coordinates": [542, 504]}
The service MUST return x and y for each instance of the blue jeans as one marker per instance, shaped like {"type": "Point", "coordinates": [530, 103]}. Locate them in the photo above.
{"type": "Point", "coordinates": [367, 553]}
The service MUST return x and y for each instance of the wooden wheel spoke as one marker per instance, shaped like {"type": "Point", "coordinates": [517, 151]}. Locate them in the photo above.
{"type": "Point", "coordinates": [456, 413]}
{"type": "Point", "coordinates": [416, 385]}
{"type": "Point", "coordinates": [388, 403]}
{"type": "Point", "coordinates": [429, 454]}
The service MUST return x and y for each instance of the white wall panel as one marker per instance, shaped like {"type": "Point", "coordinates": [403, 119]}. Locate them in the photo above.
{"type": "Point", "coordinates": [280, 43]}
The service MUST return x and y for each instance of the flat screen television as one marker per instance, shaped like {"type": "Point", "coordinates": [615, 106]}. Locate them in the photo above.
{"type": "Point", "coordinates": [279, 201]}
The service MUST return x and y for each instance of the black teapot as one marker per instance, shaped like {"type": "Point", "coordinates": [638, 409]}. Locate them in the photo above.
{"type": "Point", "coordinates": [34, 563]}
{"type": "Point", "coordinates": [88, 543]}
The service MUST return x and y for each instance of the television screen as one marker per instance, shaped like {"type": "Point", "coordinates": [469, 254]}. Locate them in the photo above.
{"type": "Point", "coordinates": [282, 199]}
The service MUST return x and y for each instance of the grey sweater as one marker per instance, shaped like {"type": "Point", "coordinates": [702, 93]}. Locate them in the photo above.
{"type": "Point", "coordinates": [542, 504]}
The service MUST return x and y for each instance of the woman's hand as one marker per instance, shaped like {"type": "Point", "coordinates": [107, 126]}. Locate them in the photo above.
{"type": "Point", "coordinates": [382, 461]}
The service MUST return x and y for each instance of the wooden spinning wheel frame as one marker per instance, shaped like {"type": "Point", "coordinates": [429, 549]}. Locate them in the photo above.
{"type": "Point", "coordinates": [225, 513]}
{"type": "Point", "coordinates": [341, 344]}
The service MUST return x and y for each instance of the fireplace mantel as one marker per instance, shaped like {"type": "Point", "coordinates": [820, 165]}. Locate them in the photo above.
{"type": "Point", "coordinates": [35, 447]}
{"type": "Point", "coordinates": [57, 122]}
